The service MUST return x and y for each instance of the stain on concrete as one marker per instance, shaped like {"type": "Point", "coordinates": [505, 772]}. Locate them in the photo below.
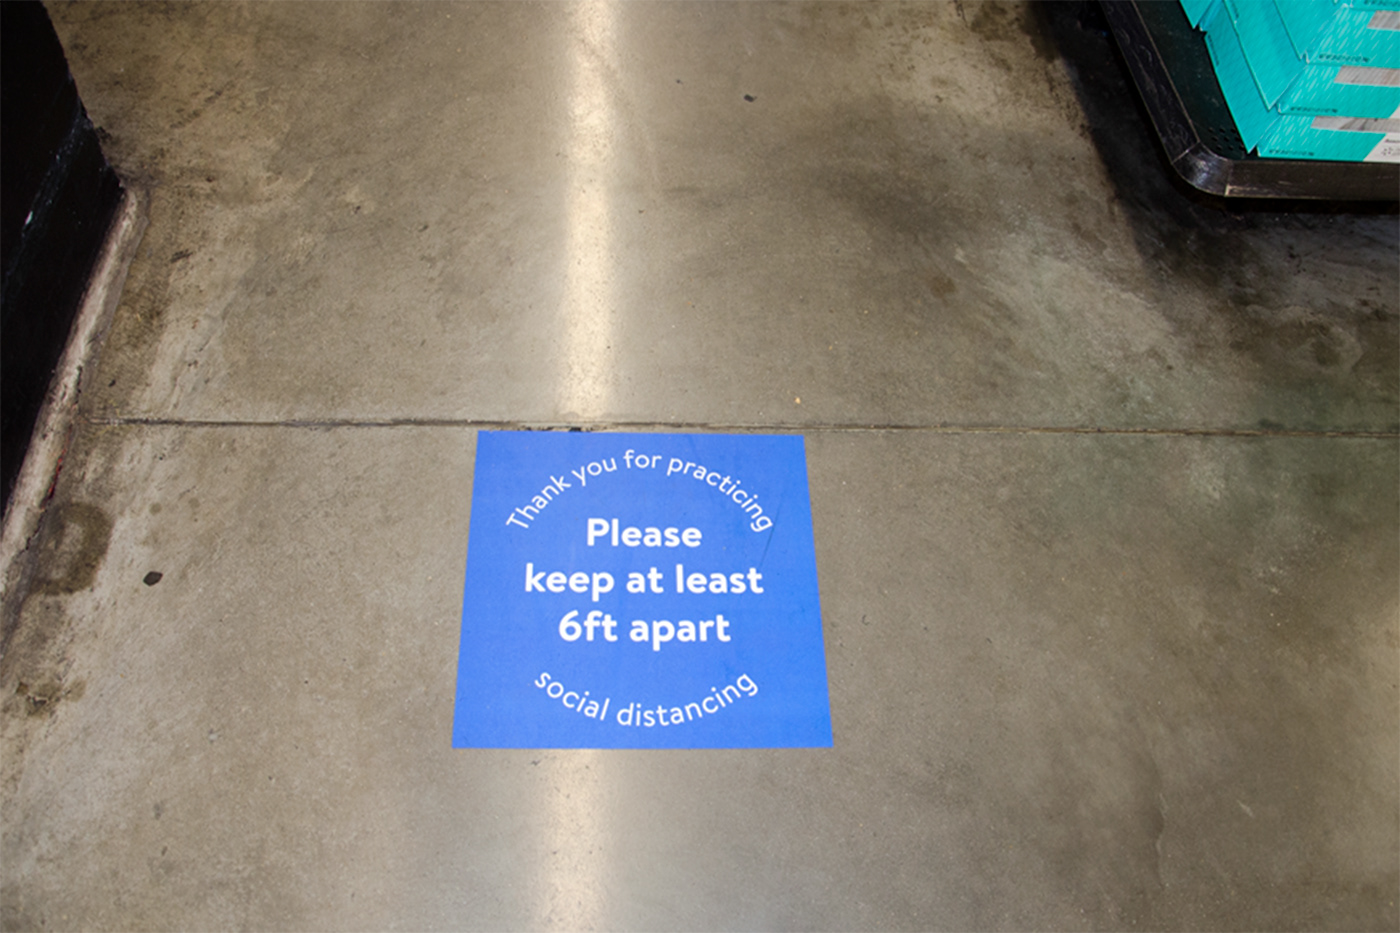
{"type": "Point", "coordinates": [43, 697]}
{"type": "Point", "coordinates": [941, 285]}
{"type": "Point", "coordinates": [74, 543]}
{"type": "Point", "coordinates": [1013, 22]}
{"type": "Point", "coordinates": [1309, 343]}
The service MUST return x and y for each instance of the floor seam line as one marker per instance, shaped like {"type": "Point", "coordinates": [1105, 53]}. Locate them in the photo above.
{"type": "Point", "coordinates": [597, 427]}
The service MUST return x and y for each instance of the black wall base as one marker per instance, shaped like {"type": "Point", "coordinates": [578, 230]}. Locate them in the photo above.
{"type": "Point", "coordinates": [58, 200]}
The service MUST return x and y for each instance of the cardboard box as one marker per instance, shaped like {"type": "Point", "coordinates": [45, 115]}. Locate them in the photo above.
{"type": "Point", "coordinates": [1346, 139]}
{"type": "Point", "coordinates": [1196, 10]}
{"type": "Point", "coordinates": [1343, 90]}
{"type": "Point", "coordinates": [1358, 32]}
{"type": "Point", "coordinates": [1253, 116]}
{"type": "Point", "coordinates": [1273, 62]}
{"type": "Point", "coordinates": [1271, 82]}
{"type": "Point", "coordinates": [1304, 19]}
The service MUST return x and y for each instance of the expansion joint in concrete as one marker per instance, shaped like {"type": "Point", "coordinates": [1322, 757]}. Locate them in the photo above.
{"type": "Point", "coordinates": [740, 427]}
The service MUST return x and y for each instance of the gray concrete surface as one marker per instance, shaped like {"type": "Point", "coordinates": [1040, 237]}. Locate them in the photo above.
{"type": "Point", "coordinates": [1104, 481]}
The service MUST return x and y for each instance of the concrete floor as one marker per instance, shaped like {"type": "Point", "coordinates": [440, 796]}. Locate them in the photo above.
{"type": "Point", "coordinates": [1104, 481]}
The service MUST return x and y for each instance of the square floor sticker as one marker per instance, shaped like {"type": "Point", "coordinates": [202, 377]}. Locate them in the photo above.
{"type": "Point", "coordinates": [640, 591]}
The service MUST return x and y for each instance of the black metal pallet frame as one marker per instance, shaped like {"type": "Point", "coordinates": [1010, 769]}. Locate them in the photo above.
{"type": "Point", "coordinates": [1173, 72]}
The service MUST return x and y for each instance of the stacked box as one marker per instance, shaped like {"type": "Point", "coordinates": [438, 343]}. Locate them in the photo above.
{"type": "Point", "coordinates": [1196, 10]}
{"type": "Point", "coordinates": [1362, 32]}
{"type": "Point", "coordinates": [1273, 61]}
{"type": "Point", "coordinates": [1305, 20]}
{"type": "Point", "coordinates": [1343, 139]}
{"type": "Point", "coordinates": [1343, 91]}
{"type": "Point", "coordinates": [1253, 116]}
{"type": "Point", "coordinates": [1316, 79]}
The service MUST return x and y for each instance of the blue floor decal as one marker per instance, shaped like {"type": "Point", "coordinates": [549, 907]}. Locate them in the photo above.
{"type": "Point", "coordinates": [640, 591]}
